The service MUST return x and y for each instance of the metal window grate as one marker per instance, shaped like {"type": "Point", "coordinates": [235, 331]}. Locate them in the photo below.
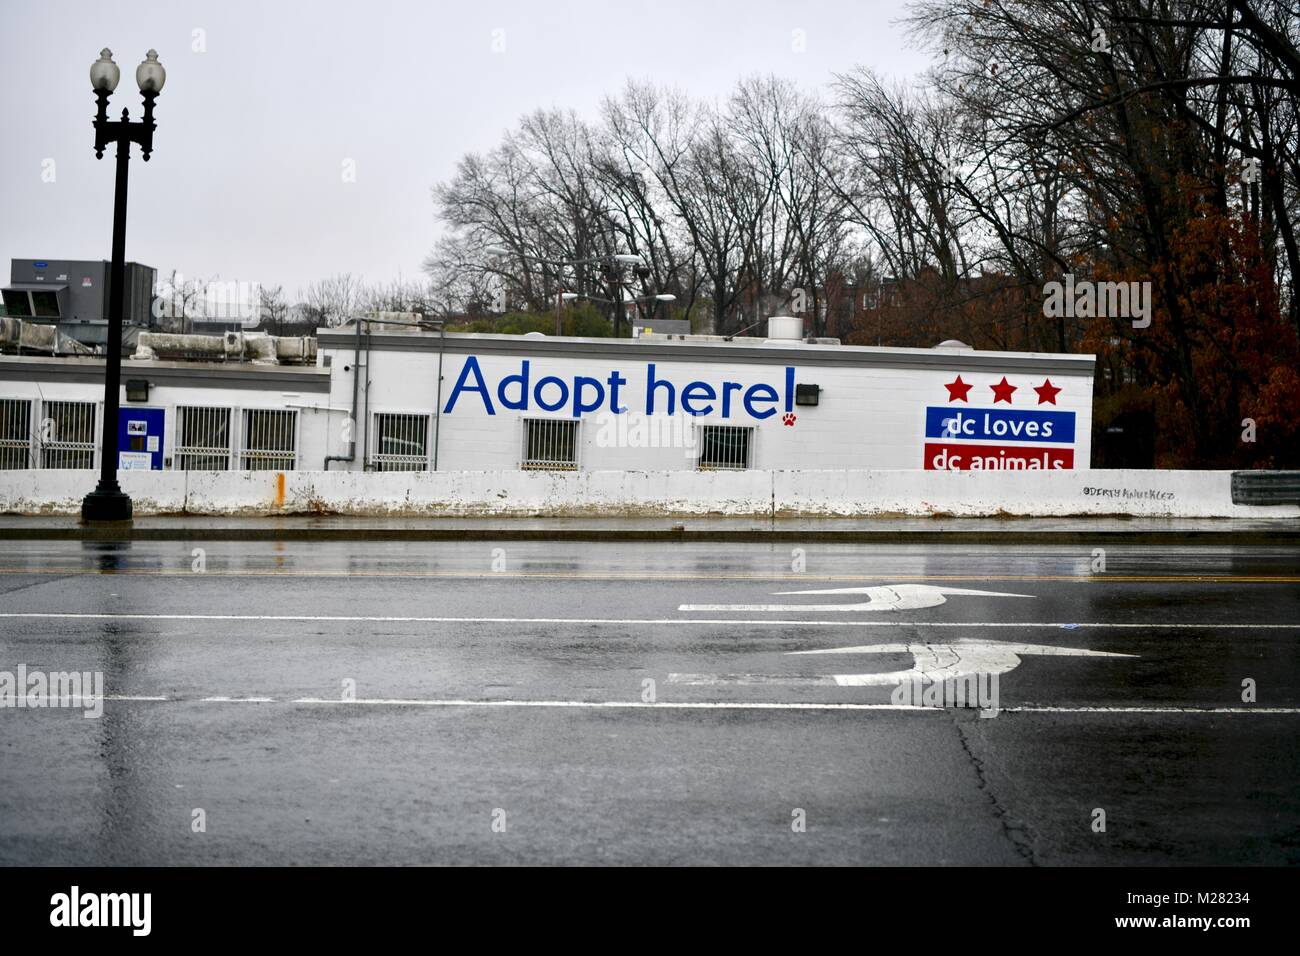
{"type": "Point", "coordinates": [269, 439]}
{"type": "Point", "coordinates": [724, 447]}
{"type": "Point", "coordinates": [67, 435]}
{"type": "Point", "coordinates": [202, 438]}
{"type": "Point", "coordinates": [400, 442]}
{"type": "Point", "coordinates": [550, 443]}
{"type": "Point", "coordinates": [15, 433]}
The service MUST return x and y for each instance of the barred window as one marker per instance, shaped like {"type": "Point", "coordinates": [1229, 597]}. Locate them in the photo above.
{"type": "Point", "coordinates": [550, 443]}
{"type": "Point", "coordinates": [15, 433]}
{"type": "Point", "coordinates": [400, 442]}
{"type": "Point", "coordinates": [269, 439]}
{"type": "Point", "coordinates": [202, 438]}
{"type": "Point", "coordinates": [724, 447]}
{"type": "Point", "coordinates": [67, 435]}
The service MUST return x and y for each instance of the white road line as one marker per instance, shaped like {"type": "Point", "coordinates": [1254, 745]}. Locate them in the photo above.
{"type": "Point", "coordinates": [613, 704]}
{"type": "Point", "coordinates": [786, 680]}
{"type": "Point", "coordinates": [619, 622]}
{"type": "Point", "coordinates": [1152, 710]}
{"type": "Point", "coordinates": [79, 700]}
{"type": "Point", "coordinates": [689, 705]}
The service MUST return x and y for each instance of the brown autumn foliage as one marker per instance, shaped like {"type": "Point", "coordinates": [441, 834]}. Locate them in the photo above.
{"type": "Point", "coordinates": [1224, 358]}
{"type": "Point", "coordinates": [1217, 366]}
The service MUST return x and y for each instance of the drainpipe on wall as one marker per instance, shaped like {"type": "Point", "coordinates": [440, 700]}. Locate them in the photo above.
{"type": "Point", "coordinates": [365, 418]}
{"type": "Point", "coordinates": [351, 456]}
{"type": "Point", "coordinates": [437, 409]}
{"type": "Point", "coordinates": [356, 371]}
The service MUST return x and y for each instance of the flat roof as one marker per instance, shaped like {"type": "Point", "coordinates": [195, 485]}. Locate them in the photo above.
{"type": "Point", "coordinates": [27, 368]}
{"type": "Point", "coordinates": [752, 350]}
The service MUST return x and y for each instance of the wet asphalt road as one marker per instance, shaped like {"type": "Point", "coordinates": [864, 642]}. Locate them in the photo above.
{"type": "Point", "coordinates": [503, 708]}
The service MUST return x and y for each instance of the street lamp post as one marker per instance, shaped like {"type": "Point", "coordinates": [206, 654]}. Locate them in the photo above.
{"type": "Point", "coordinates": [561, 298]}
{"type": "Point", "coordinates": [108, 502]}
{"type": "Point", "coordinates": [654, 300]}
{"type": "Point", "coordinates": [614, 266]}
{"type": "Point", "coordinates": [614, 276]}
{"type": "Point", "coordinates": [618, 307]}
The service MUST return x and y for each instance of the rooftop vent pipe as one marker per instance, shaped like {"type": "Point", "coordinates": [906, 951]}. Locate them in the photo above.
{"type": "Point", "coordinates": [256, 347]}
{"type": "Point", "coordinates": [38, 337]}
{"type": "Point", "coordinates": [784, 328]}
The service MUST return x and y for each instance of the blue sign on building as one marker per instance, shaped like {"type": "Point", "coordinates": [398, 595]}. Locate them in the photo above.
{"type": "Point", "coordinates": [999, 424]}
{"type": "Point", "coordinates": [140, 439]}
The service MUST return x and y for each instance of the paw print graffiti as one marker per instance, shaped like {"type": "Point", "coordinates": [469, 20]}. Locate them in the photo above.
{"type": "Point", "coordinates": [788, 418]}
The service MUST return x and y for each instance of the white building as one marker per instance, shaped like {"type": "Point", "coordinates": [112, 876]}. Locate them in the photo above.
{"type": "Point", "coordinates": [510, 402]}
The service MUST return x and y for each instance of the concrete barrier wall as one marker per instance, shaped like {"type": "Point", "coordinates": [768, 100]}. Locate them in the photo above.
{"type": "Point", "coordinates": [1181, 494]}
{"type": "Point", "coordinates": [1184, 494]}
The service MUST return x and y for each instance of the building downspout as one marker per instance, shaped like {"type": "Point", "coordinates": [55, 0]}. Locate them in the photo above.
{"type": "Point", "coordinates": [351, 456]}
{"type": "Point", "coordinates": [437, 409]}
{"type": "Point", "coordinates": [365, 419]}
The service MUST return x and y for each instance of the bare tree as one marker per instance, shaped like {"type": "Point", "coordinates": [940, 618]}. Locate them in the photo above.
{"type": "Point", "coordinates": [331, 302]}
{"type": "Point", "coordinates": [1143, 142]}
{"type": "Point", "coordinates": [272, 308]}
{"type": "Point", "coordinates": [180, 301]}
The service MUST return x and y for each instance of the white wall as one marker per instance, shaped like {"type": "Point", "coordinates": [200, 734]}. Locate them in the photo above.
{"type": "Point", "coordinates": [1188, 494]}
{"type": "Point", "coordinates": [311, 406]}
{"type": "Point", "coordinates": [870, 415]}
{"type": "Point", "coordinates": [867, 418]}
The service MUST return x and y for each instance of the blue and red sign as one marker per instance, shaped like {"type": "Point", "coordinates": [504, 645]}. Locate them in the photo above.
{"type": "Point", "coordinates": [947, 456]}
{"type": "Point", "coordinates": [999, 424]}
{"type": "Point", "coordinates": [983, 439]}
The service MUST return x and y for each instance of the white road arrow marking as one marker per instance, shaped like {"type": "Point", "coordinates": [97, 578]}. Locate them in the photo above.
{"type": "Point", "coordinates": [895, 597]}
{"type": "Point", "coordinates": [937, 662]}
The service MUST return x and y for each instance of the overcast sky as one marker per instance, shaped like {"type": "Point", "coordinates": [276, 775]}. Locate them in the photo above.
{"type": "Point", "coordinates": [266, 101]}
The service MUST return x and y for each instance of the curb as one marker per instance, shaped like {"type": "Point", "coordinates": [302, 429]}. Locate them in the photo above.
{"type": "Point", "coordinates": [1253, 536]}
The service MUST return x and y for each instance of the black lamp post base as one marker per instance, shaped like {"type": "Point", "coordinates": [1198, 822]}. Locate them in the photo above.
{"type": "Point", "coordinates": [106, 505]}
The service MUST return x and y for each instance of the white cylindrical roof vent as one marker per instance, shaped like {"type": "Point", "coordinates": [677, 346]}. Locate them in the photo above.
{"type": "Point", "coordinates": [785, 327]}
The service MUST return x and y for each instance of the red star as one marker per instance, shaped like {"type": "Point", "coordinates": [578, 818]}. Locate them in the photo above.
{"type": "Point", "coordinates": [1002, 391]}
{"type": "Point", "coordinates": [957, 390]}
{"type": "Point", "coordinates": [1046, 392]}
